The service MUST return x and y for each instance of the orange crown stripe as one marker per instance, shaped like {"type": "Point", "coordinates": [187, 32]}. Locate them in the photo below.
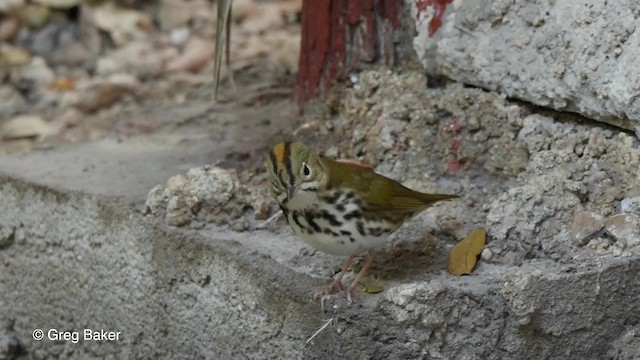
{"type": "Point", "coordinates": [278, 151]}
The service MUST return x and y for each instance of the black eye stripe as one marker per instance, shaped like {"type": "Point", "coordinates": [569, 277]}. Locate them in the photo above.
{"type": "Point", "coordinates": [272, 157]}
{"type": "Point", "coordinates": [287, 162]}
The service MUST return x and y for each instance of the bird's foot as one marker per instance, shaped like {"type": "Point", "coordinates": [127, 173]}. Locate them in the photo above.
{"type": "Point", "coordinates": [334, 288]}
{"type": "Point", "coordinates": [331, 294]}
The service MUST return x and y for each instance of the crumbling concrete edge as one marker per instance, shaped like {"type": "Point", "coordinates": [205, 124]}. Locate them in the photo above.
{"type": "Point", "coordinates": [77, 261]}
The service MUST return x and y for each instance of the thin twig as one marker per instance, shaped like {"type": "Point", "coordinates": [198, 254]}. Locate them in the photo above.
{"type": "Point", "coordinates": [319, 331]}
{"type": "Point", "coordinates": [269, 220]}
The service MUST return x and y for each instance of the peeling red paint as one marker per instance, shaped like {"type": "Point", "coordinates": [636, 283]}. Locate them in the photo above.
{"type": "Point", "coordinates": [454, 166]}
{"type": "Point", "coordinates": [439, 7]}
{"type": "Point", "coordinates": [455, 146]}
{"type": "Point", "coordinates": [338, 36]}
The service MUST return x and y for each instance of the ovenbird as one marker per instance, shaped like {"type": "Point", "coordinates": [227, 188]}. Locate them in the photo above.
{"type": "Point", "coordinates": [340, 208]}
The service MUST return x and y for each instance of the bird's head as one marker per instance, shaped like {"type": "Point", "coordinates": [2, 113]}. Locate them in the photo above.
{"type": "Point", "coordinates": [295, 172]}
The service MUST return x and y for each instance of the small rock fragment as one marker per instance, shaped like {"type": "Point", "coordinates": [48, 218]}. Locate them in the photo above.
{"type": "Point", "coordinates": [178, 213]}
{"type": "Point", "coordinates": [12, 56]}
{"type": "Point", "coordinates": [585, 225]}
{"type": "Point", "coordinates": [212, 185]}
{"type": "Point", "coordinates": [103, 94]}
{"type": "Point", "coordinates": [263, 210]}
{"type": "Point", "coordinates": [32, 15]}
{"type": "Point", "coordinates": [139, 58]}
{"type": "Point", "coordinates": [264, 18]}
{"type": "Point", "coordinates": [8, 28]}
{"type": "Point", "coordinates": [12, 102]}
{"type": "Point", "coordinates": [624, 228]}
{"type": "Point", "coordinates": [36, 72]}
{"type": "Point", "coordinates": [122, 24]}
{"type": "Point", "coordinates": [630, 205]}
{"type": "Point", "coordinates": [176, 184]}
{"type": "Point", "coordinates": [174, 13]}
{"type": "Point", "coordinates": [59, 4]}
{"type": "Point", "coordinates": [6, 236]}
{"type": "Point", "coordinates": [25, 126]}
{"type": "Point", "coordinates": [240, 226]}
{"type": "Point", "coordinates": [196, 55]}
{"type": "Point", "coordinates": [486, 255]}
{"type": "Point", "coordinates": [196, 225]}
{"type": "Point", "coordinates": [156, 199]}
{"type": "Point", "coordinates": [179, 36]}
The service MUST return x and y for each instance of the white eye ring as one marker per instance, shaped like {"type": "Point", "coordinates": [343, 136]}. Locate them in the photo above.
{"type": "Point", "coordinates": [306, 170]}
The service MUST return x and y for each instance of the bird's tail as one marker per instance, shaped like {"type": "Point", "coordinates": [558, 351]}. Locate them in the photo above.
{"type": "Point", "coordinates": [431, 198]}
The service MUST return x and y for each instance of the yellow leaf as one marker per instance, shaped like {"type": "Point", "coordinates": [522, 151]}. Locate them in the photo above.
{"type": "Point", "coordinates": [371, 288]}
{"type": "Point", "coordinates": [463, 256]}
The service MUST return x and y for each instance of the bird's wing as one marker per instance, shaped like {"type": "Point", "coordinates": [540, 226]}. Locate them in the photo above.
{"type": "Point", "coordinates": [379, 192]}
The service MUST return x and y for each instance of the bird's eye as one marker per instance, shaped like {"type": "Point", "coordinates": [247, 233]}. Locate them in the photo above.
{"type": "Point", "coordinates": [306, 171]}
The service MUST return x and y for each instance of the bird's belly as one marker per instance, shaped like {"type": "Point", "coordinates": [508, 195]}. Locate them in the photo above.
{"type": "Point", "coordinates": [331, 233]}
{"type": "Point", "coordinates": [340, 246]}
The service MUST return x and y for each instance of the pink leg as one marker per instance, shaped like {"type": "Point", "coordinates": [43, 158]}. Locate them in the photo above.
{"type": "Point", "coordinates": [359, 277]}
{"type": "Point", "coordinates": [337, 286]}
{"type": "Point", "coordinates": [348, 293]}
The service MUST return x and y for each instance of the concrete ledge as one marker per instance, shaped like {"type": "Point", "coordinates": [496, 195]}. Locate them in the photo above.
{"type": "Point", "coordinates": [78, 259]}
{"type": "Point", "coordinates": [579, 57]}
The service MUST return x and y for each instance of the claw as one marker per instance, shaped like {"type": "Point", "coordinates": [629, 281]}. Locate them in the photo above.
{"type": "Point", "coordinates": [346, 293]}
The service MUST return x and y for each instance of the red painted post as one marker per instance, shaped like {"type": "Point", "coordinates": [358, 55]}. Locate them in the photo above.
{"type": "Point", "coordinates": [340, 36]}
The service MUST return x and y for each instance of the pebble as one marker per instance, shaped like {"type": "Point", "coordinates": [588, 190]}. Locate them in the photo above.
{"type": "Point", "coordinates": [139, 58]}
{"type": "Point", "coordinates": [174, 13]}
{"type": "Point", "coordinates": [624, 228]}
{"type": "Point", "coordinates": [122, 24]}
{"type": "Point", "coordinates": [8, 29]}
{"type": "Point", "coordinates": [178, 213]}
{"type": "Point", "coordinates": [630, 205]}
{"type": "Point", "coordinates": [196, 55]}
{"type": "Point", "coordinates": [179, 36]}
{"type": "Point", "coordinates": [196, 225]}
{"type": "Point", "coordinates": [212, 185]}
{"type": "Point", "coordinates": [263, 210]}
{"type": "Point", "coordinates": [176, 184]}
{"type": "Point", "coordinates": [25, 126]}
{"type": "Point", "coordinates": [104, 93]}
{"type": "Point", "coordinates": [486, 255]}
{"type": "Point", "coordinates": [59, 4]}
{"type": "Point", "coordinates": [7, 236]}
{"type": "Point", "coordinates": [585, 225]}
{"type": "Point", "coordinates": [240, 226]}
{"type": "Point", "coordinates": [36, 72]}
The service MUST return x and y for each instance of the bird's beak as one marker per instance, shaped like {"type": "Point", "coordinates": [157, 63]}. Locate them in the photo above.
{"type": "Point", "coordinates": [290, 191]}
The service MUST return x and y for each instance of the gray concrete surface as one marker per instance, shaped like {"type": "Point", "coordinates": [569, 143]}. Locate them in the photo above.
{"type": "Point", "coordinates": [567, 55]}
{"type": "Point", "coordinates": [75, 257]}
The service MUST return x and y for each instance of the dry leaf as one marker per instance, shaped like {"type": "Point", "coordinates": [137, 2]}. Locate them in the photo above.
{"type": "Point", "coordinates": [371, 288]}
{"type": "Point", "coordinates": [63, 83]}
{"type": "Point", "coordinates": [463, 256]}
